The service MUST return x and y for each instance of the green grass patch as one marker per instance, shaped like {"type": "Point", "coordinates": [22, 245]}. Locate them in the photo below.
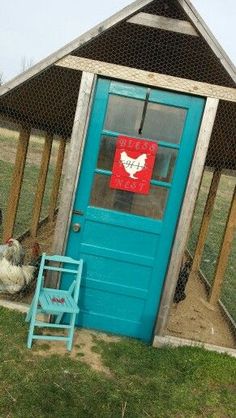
{"type": "Point", "coordinates": [144, 382]}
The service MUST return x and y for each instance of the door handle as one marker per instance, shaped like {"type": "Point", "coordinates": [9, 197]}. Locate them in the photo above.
{"type": "Point", "coordinates": [78, 212]}
{"type": "Point", "coordinates": [76, 227]}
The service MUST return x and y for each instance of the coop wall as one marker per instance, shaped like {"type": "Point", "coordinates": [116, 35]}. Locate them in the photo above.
{"type": "Point", "coordinates": [28, 192]}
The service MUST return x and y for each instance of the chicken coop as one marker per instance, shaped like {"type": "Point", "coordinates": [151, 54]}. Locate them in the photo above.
{"type": "Point", "coordinates": [133, 126]}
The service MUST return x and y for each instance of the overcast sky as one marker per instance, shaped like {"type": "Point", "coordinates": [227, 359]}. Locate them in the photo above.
{"type": "Point", "coordinates": [33, 29]}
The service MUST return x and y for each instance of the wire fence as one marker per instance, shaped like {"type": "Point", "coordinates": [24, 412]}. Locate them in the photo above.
{"type": "Point", "coordinates": [215, 235]}
{"type": "Point", "coordinates": [9, 136]}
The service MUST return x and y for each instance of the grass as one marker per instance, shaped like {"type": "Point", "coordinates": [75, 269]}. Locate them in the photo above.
{"type": "Point", "coordinates": [145, 382]}
{"type": "Point", "coordinates": [215, 235]}
{"type": "Point", "coordinates": [24, 214]}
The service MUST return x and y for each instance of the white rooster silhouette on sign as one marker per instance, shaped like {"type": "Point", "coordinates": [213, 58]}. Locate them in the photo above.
{"type": "Point", "coordinates": [133, 165]}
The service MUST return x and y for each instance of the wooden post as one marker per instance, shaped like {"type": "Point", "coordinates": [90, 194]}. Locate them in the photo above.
{"type": "Point", "coordinates": [38, 199]}
{"type": "Point", "coordinates": [206, 221]}
{"type": "Point", "coordinates": [18, 173]}
{"type": "Point", "coordinates": [57, 179]}
{"type": "Point", "coordinates": [74, 161]}
{"type": "Point", "coordinates": [226, 245]}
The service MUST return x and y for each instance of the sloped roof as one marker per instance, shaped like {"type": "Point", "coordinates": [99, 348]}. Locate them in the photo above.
{"type": "Point", "coordinates": [108, 23]}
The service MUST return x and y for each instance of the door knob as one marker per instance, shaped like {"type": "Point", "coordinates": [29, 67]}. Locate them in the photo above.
{"type": "Point", "coordinates": [76, 227]}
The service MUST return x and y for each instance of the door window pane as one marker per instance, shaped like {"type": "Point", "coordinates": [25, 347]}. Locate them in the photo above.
{"type": "Point", "coordinates": [164, 123]}
{"type": "Point", "coordinates": [161, 122]}
{"type": "Point", "coordinates": [124, 115]}
{"type": "Point", "coordinates": [164, 164]}
{"type": "Point", "coordinates": [106, 152]}
{"type": "Point", "coordinates": [151, 205]}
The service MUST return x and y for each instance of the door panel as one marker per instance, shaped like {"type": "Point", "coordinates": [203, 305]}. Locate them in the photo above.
{"type": "Point", "coordinates": [126, 238]}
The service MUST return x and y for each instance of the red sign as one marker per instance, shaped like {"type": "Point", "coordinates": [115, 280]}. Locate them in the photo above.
{"type": "Point", "coordinates": [133, 164]}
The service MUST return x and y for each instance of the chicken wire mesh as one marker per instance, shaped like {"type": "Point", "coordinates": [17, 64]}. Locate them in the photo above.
{"type": "Point", "coordinates": [196, 319]}
{"type": "Point", "coordinates": [156, 50]}
{"type": "Point", "coordinates": [9, 138]}
{"type": "Point", "coordinates": [47, 103]}
{"type": "Point", "coordinates": [216, 232]}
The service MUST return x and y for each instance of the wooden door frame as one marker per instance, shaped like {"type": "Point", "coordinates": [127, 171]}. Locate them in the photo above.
{"type": "Point", "coordinates": [72, 172]}
{"type": "Point", "coordinates": [74, 160]}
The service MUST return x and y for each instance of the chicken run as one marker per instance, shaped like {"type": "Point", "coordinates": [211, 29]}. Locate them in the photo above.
{"type": "Point", "coordinates": [17, 278]}
{"type": "Point", "coordinates": [75, 135]}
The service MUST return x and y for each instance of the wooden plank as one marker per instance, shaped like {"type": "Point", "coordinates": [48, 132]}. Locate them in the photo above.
{"type": "Point", "coordinates": [186, 214]}
{"type": "Point", "coordinates": [225, 250]}
{"type": "Point", "coordinates": [74, 161]}
{"type": "Point", "coordinates": [57, 179]}
{"type": "Point", "coordinates": [163, 23]}
{"type": "Point", "coordinates": [206, 218]}
{"type": "Point", "coordinates": [148, 78]}
{"type": "Point", "coordinates": [18, 173]}
{"type": "Point", "coordinates": [38, 199]}
{"type": "Point", "coordinates": [209, 37]}
{"type": "Point", "coordinates": [169, 340]}
{"type": "Point", "coordinates": [76, 43]}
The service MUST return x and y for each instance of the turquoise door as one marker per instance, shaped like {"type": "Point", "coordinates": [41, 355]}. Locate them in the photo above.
{"type": "Point", "coordinates": [126, 238]}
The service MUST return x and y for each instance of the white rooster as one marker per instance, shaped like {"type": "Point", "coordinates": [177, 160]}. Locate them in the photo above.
{"type": "Point", "coordinates": [13, 274]}
{"type": "Point", "coordinates": [133, 165]}
{"type": "Point", "coordinates": [13, 252]}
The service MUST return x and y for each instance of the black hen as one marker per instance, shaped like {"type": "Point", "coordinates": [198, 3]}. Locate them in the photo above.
{"type": "Point", "coordinates": [182, 282]}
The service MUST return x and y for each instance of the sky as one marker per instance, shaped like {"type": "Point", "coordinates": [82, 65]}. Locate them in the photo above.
{"type": "Point", "coordinates": [30, 30]}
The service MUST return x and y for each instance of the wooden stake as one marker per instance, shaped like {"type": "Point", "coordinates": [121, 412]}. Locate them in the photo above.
{"type": "Point", "coordinates": [206, 221]}
{"type": "Point", "coordinates": [223, 257]}
{"type": "Point", "coordinates": [41, 184]}
{"type": "Point", "coordinates": [18, 173]}
{"type": "Point", "coordinates": [57, 179]}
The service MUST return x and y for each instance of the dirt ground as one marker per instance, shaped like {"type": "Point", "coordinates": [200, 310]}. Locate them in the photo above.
{"type": "Point", "coordinates": [83, 348]}
{"type": "Point", "coordinates": [196, 320]}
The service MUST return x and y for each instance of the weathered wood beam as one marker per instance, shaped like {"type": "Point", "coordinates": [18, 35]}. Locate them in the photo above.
{"type": "Point", "coordinates": [17, 178]}
{"type": "Point", "coordinates": [224, 254]}
{"type": "Point", "coordinates": [186, 214]}
{"type": "Point", "coordinates": [57, 179]}
{"type": "Point", "coordinates": [148, 78]}
{"type": "Point", "coordinates": [74, 161]}
{"type": "Point", "coordinates": [206, 218]}
{"type": "Point", "coordinates": [38, 199]}
{"type": "Point", "coordinates": [163, 23]}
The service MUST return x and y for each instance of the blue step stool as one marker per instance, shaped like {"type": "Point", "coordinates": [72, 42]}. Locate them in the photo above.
{"type": "Point", "coordinates": [55, 301]}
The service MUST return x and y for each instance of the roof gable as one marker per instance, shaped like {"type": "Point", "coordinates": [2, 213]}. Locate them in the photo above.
{"type": "Point", "coordinates": [176, 9]}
